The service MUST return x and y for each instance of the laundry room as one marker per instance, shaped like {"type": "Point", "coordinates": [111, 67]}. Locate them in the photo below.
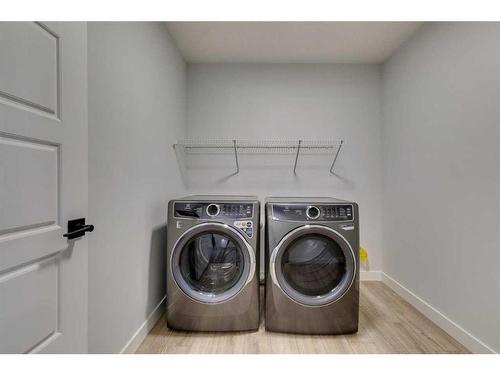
{"type": "Point", "coordinates": [185, 186]}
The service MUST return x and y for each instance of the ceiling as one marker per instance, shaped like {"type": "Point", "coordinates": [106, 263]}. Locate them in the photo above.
{"type": "Point", "coordinates": [290, 42]}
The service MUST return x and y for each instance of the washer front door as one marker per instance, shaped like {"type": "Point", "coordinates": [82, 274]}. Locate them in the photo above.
{"type": "Point", "coordinates": [314, 265]}
{"type": "Point", "coordinates": [212, 262]}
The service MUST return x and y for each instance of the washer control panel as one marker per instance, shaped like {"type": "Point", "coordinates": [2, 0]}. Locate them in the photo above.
{"type": "Point", "coordinates": [212, 210]}
{"type": "Point", "coordinates": [246, 226]}
{"type": "Point", "coordinates": [312, 212]}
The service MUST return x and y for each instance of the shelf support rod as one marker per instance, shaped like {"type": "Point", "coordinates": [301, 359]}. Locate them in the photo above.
{"type": "Point", "coordinates": [336, 156]}
{"type": "Point", "coordinates": [236, 157]}
{"type": "Point", "coordinates": [296, 157]}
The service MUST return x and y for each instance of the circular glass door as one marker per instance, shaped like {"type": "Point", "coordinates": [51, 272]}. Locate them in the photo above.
{"type": "Point", "coordinates": [314, 265]}
{"type": "Point", "coordinates": [211, 263]}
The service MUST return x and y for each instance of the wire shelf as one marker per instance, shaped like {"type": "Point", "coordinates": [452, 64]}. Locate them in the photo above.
{"type": "Point", "coordinates": [264, 147]}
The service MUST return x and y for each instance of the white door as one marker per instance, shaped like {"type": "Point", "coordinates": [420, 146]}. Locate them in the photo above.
{"type": "Point", "coordinates": [43, 184]}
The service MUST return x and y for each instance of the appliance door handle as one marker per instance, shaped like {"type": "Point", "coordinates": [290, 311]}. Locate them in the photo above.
{"type": "Point", "coordinates": [347, 227]}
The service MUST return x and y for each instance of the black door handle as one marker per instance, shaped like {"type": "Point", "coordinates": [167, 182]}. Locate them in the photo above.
{"type": "Point", "coordinates": [77, 228]}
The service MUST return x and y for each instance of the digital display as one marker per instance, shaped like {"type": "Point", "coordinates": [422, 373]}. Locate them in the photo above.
{"type": "Point", "coordinates": [235, 210]}
{"type": "Point", "coordinates": [298, 212]}
{"type": "Point", "coordinates": [198, 210]}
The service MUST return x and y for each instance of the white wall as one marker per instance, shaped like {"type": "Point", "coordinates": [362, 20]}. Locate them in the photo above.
{"type": "Point", "coordinates": [136, 111]}
{"type": "Point", "coordinates": [291, 101]}
{"type": "Point", "coordinates": [441, 197]}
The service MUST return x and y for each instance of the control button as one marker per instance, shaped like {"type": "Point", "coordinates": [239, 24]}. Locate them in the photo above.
{"type": "Point", "coordinates": [213, 209]}
{"type": "Point", "coordinates": [243, 224]}
{"type": "Point", "coordinates": [312, 212]}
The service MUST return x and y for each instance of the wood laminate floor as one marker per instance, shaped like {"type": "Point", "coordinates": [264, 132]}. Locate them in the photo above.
{"type": "Point", "coordinates": [387, 324]}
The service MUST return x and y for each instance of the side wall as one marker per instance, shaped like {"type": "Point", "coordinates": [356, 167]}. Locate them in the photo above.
{"type": "Point", "coordinates": [136, 111]}
{"type": "Point", "coordinates": [291, 101]}
{"type": "Point", "coordinates": [441, 196]}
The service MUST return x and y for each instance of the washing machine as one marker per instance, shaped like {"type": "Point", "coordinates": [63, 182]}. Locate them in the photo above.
{"type": "Point", "coordinates": [212, 258]}
{"type": "Point", "coordinates": [312, 265]}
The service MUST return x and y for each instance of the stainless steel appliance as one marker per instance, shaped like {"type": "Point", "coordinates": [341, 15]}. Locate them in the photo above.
{"type": "Point", "coordinates": [312, 265]}
{"type": "Point", "coordinates": [212, 273]}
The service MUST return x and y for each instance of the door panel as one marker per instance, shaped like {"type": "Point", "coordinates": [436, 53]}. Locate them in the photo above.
{"type": "Point", "coordinates": [211, 263]}
{"type": "Point", "coordinates": [30, 174]}
{"type": "Point", "coordinates": [30, 84]}
{"type": "Point", "coordinates": [314, 265]}
{"type": "Point", "coordinates": [43, 184]}
{"type": "Point", "coordinates": [28, 323]}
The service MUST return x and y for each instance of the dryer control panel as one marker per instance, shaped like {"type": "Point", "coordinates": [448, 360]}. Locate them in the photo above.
{"type": "Point", "coordinates": [312, 212]}
{"type": "Point", "coordinates": [212, 210]}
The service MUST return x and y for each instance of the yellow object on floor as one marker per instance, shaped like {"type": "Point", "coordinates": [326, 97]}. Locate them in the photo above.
{"type": "Point", "coordinates": [363, 254]}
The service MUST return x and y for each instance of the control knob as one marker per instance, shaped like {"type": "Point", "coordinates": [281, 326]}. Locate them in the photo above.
{"type": "Point", "coordinates": [313, 212]}
{"type": "Point", "coordinates": [213, 209]}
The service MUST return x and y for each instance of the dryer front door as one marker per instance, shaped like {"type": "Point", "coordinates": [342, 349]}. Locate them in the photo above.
{"type": "Point", "coordinates": [314, 265]}
{"type": "Point", "coordinates": [212, 262]}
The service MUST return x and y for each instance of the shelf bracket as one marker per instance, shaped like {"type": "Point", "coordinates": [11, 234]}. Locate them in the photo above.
{"type": "Point", "coordinates": [336, 156]}
{"type": "Point", "coordinates": [236, 157]}
{"type": "Point", "coordinates": [181, 157]}
{"type": "Point", "coordinates": [296, 158]}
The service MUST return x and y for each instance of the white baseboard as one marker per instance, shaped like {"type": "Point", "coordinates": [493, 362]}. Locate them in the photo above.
{"type": "Point", "coordinates": [370, 275]}
{"type": "Point", "coordinates": [137, 338]}
{"type": "Point", "coordinates": [453, 329]}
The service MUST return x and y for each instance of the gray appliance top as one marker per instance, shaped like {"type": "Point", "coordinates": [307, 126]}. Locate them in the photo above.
{"type": "Point", "coordinates": [307, 200]}
{"type": "Point", "coordinates": [219, 198]}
